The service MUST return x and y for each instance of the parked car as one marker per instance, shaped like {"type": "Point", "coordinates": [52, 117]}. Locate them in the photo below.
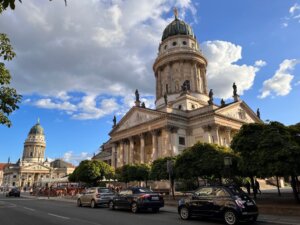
{"type": "Point", "coordinates": [225, 202]}
{"type": "Point", "coordinates": [13, 192]}
{"type": "Point", "coordinates": [137, 198]}
{"type": "Point", "coordinates": [95, 196]}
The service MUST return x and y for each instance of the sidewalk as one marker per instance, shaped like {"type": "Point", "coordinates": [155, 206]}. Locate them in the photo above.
{"type": "Point", "coordinates": [266, 215]}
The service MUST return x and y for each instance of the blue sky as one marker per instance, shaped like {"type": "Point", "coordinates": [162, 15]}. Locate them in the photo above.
{"type": "Point", "coordinates": [77, 66]}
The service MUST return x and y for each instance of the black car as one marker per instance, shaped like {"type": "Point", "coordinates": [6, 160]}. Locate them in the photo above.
{"type": "Point", "coordinates": [13, 192]}
{"type": "Point", "coordinates": [225, 202]}
{"type": "Point", "coordinates": [137, 198]}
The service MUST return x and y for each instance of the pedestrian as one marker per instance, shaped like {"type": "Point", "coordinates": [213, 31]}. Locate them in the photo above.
{"type": "Point", "coordinates": [247, 185]}
{"type": "Point", "coordinates": [257, 187]}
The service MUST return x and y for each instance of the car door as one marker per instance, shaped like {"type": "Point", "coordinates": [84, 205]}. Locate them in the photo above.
{"type": "Point", "coordinates": [83, 197]}
{"type": "Point", "coordinates": [119, 200]}
{"type": "Point", "coordinates": [204, 201]}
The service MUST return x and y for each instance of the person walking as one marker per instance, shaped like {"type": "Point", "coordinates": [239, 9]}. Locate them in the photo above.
{"type": "Point", "coordinates": [247, 185]}
{"type": "Point", "coordinates": [257, 187]}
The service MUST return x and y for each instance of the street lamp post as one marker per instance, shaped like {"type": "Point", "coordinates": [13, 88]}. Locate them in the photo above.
{"type": "Point", "coordinates": [227, 165]}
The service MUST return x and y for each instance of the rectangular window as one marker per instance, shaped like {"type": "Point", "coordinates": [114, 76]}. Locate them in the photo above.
{"type": "Point", "coordinates": [181, 141]}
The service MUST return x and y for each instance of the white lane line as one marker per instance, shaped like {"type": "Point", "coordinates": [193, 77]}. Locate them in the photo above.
{"type": "Point", "coordinates": [58, 216]}
{"type": "Point", "coordinates": [29, 208]}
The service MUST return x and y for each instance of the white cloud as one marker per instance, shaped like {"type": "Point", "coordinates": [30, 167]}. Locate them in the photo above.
{"type": "Point", "coordinates": [280, 83]}
{"type": "Point", "coordinates": [260, 63]}
{"type": "Point", "coordinates": [223, 70]}
{"type": "Point", "coordinates": [90, 110]}
{"type": "Point", "coordinates": [294, 9]}
{"type": "Point", "coordinates": [101, 49]}
{"type": "Point", "coordinates": [47, 103]}
{"type": "Point", "coordinates": [294, 14]}
{"type": "Point", "coordinates": [75, 159]}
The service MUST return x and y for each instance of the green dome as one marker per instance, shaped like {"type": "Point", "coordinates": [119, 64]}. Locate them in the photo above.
{"type": "Point", "coordinates": [37, 129]}
{"type": "Point", "coordinates": [177, 27]}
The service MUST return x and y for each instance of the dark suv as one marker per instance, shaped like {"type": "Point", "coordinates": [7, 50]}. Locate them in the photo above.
{"type": "Point", "coordinates": [13, 192]}
{"type": "Point", "coordinates": [226, 202]}
{"type": "Point", "coordinates": [136, 198]}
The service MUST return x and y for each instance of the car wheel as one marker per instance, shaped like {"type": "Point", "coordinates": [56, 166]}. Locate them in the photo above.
{"type": "Point", "coordinates": [93, 204]}
{"type": "Point", "coordinates": [230, 217]}
{"type": "Point", "coordinates": [184, 213]}
{"type": "Point", "coordinates": [134, 207]}
{"type": "Point", "coordinates": [111, 205]}
{"type": "Point", "coordinates": [79, 203]}
{"type": "Point", "coordinates": [155, 210]}
{"type": "Point", "coordinates": [254, 218]}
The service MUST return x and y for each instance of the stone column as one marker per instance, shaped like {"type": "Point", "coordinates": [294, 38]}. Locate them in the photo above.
{"type": "Point", "coordinates": [228, 135]}
{"type": "Point", "coordinates": [122, 161]}
{"type": "Point", "coordinates": [207, 133]}
{"type": "Point", "coordinates": [113, 156]}
{"type": "Point", "coordinates": [131, 149]}
{"type": "Point", "coordinates": [174, 141]}
{"type": "Point", "coordinates": [142, 148]}
{"type": "Point", "coordinates": [154, 145]}
{"type": "Point", "coordinates": [217, 136]}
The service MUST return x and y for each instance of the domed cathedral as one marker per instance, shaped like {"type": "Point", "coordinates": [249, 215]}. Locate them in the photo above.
{"type": "Point", "coordinates": [35, 145]}
{"type": "Point", "coordinates": [180, 69]}
{"type": "Point", "coordinates": [32, 169]}
{"type": "Point", "coordinates": [185, 109]}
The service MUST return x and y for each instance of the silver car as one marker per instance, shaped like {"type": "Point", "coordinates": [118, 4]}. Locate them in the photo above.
{"type": "Point", "coordinates": [95, 196]}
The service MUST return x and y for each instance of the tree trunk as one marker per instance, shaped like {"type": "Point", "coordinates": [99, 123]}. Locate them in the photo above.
{"type": "Point", "coordinates": [295, 192]}
{"type": "Point", "coordinates": [198, 182]}
{"type": "Point", "coordinates": [253, 187]}
{"type": "Point", "coordinates": [278, 189]}
{"type": "Point", "coordinates": [172, 189]}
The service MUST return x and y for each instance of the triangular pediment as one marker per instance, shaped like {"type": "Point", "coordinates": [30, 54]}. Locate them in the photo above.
{"type": "Point", "coordinates": [37, 167]}
{"type": "Point", "coordinates": [240, 111]}
{"type": "Point", "coordinates": [136, 116]}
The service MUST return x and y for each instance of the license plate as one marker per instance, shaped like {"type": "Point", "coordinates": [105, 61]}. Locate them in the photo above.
{"type": "Point", "coordinates": [155, 198]}
{"type": "Point", "coordinates": [250, 203]}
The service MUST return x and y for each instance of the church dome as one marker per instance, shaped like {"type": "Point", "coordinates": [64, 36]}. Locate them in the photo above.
{"type": "Point", "coordinates": [177, 27]}
{"type": "Point", "coordinates": [37, 129]}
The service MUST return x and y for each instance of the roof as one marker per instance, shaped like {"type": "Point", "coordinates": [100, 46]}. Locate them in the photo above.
{"type": "Point", "coordinates": [2, 165]}
{"type": "Point", "coordinates": [37, 129]}
{"type": "Point", "coordinates": [177, 27]}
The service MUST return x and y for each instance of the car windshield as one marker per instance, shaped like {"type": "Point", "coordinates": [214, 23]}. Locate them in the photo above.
{"type": "Point", "coordinates": [235, 190]}
{"type": "Point", "coordinates": [141, 190]}
{"type": "Point", "coordinates": [104, 190]}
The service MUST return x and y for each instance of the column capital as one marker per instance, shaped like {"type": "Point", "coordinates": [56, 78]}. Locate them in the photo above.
{"type": "Point", "coordinates": [171, 128]}
{"type": "Point", "coordinates": [155, 132]}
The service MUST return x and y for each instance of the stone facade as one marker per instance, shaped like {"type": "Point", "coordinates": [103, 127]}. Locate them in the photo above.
{"type": "Point", "coordinates": [185, 112]}
{"type": "Point", "coordinates": [33, 168]}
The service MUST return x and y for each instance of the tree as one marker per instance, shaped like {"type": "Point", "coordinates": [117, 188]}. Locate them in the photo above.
{"type": "Point", "coordinates": [202, 160]}
{"type": "Point", "coordinates": [280, 154]}
{"type": "Point", "coordinates": [92, 172]}
{"type": "Point", "coordinates": [12, 5]}
{"type": "Point", "coordinates": [246, 145]}
{"type": "Point", "coordinates": [133, 172]}
{"type": "Point", "coordinates": [9, 98]}
{"type": "Point", "coordinates": [159, 171]}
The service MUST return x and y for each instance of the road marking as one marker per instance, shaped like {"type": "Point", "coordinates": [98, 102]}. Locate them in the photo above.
{"type": "Point", "coordinates": [29, 208]}
{"type": "Point", "coordinates": [58, 216]}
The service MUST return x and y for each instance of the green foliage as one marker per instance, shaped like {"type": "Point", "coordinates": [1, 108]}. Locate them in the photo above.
{"type": "Point", "coordinates": [279, 153]}
{"type": "Point", "coordinates": [134, 172]}
{"type": "Point", "coordinates": [11, 3]}
{"type": "Point", "coordinates": [92, 172]}
{"type": "Point", "coordinates": [202, 160]}
{"type": "Point", "coordinates": [246, 145]}
{"type": "Point", "coordinates": [9, 98]}
{"type": "Point", "coordinates": [159, 169]}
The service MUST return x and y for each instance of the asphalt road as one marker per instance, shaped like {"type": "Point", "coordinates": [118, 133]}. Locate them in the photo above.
{"type": "Point", "coordinates": [25, 211]}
